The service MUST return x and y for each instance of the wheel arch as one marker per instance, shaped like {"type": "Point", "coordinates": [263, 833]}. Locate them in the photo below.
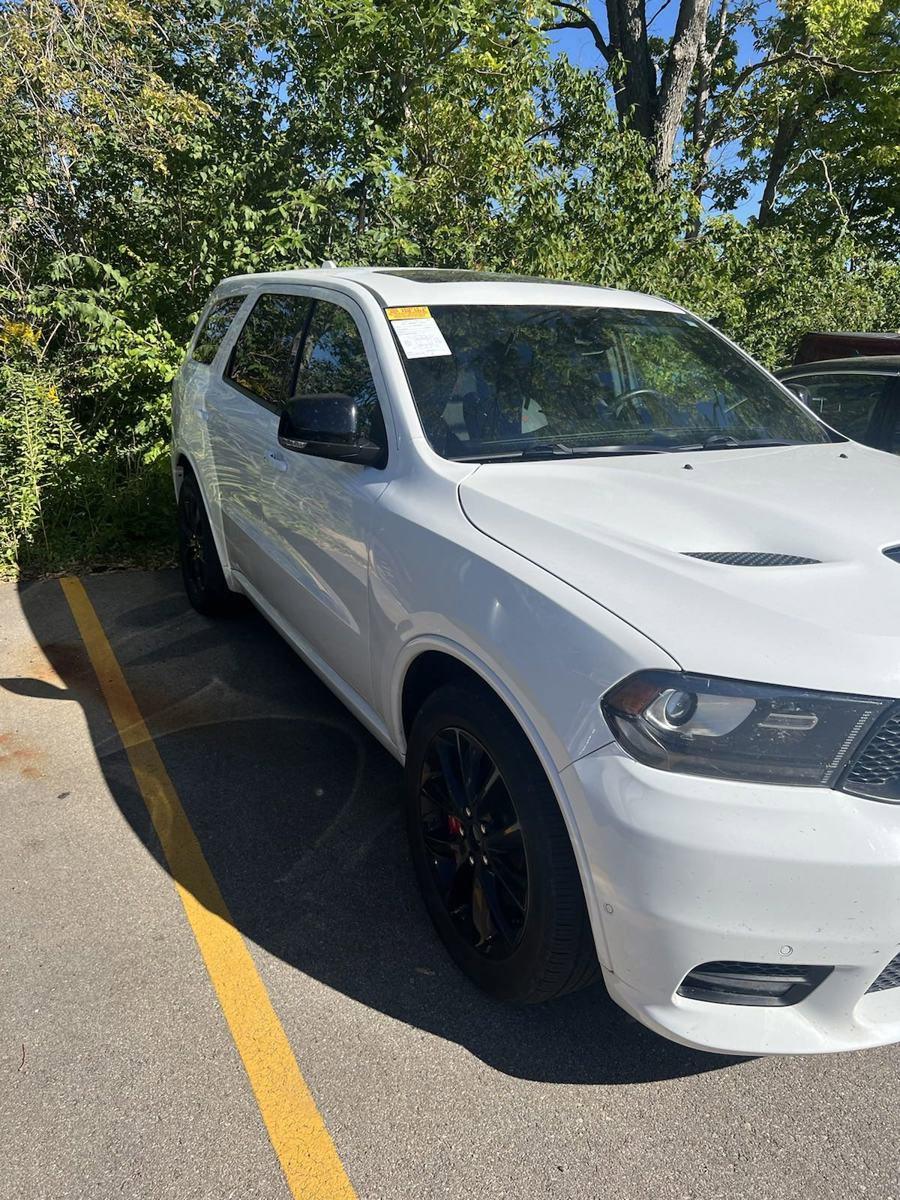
{"type": "Point", "coordinates": [183, 463]}
{"type": "Point", "coordinates": [430, 662]}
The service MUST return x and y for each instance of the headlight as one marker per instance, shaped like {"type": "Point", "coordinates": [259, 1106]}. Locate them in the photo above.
{"type": "Point", "coordinates": [706, 726]}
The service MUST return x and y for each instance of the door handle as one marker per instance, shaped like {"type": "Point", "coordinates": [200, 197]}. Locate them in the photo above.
{"type": "Point", "coordinates": [276, 460]}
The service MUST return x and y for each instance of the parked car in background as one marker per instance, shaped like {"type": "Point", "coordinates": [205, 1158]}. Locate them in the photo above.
{"type": "Point", "coordinates": [816, 346]}
{"type": "Point", "coordinates": [624, 608]}
{"type": "Point", "coordinates": [860, 397]}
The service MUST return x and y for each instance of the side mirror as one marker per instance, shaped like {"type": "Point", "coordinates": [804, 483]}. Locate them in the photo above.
{"type": "Point", "coordinates": [326, 425]}
{"type": "Point", "coordinates": [803, 394]}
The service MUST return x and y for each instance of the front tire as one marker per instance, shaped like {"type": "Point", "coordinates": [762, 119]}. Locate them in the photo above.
{"type": "Point", "coordinates": [491, 851]}
{"type": "Point", "coordinates": [201, 570]}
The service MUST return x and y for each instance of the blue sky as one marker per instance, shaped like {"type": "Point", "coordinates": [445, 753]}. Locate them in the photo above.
{"type": "Point", "coordinates": [579, 47]}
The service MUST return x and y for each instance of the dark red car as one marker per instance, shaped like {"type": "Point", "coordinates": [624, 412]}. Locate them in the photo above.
{"type": "Point", "coordinates": [816, 346]}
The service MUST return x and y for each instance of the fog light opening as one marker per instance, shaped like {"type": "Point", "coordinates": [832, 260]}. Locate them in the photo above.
{"type": "Point", "coordinates": [764, 985]}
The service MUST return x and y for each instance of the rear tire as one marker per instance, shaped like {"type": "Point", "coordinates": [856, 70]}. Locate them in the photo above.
{"type": "Point", "coordinates": [201, 570]}
{"type": "Point", "coordinates": [491, 851]}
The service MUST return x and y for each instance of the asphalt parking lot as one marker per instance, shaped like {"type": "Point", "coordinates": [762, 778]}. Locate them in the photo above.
{"type": "Point", "coordinates": [130, 1069]}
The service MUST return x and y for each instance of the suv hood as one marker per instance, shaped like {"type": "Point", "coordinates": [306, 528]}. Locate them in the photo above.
{"type": "Point", "coordinates": [620, 530]}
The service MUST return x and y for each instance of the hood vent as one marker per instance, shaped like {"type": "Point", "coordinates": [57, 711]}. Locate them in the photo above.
{"type": "Point", "coordinates": [754, 558]}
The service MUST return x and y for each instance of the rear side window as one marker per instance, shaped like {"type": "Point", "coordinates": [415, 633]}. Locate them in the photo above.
{"type": "Point", "coordinates": [845, 401]}
{"type": "Point", "coordinates": [215, 327]}
{"type": "Point", "coordinates": [261, 360]}
{"type": "Point", "coordinates": [334, 359]}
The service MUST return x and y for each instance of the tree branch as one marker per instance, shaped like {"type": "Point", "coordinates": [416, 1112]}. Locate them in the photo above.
{"type": "Point", "coordinates": [662, 8]}
{"type": "Point", "coordinates": [583, 20]}
{"type": "Point", "coordinates": [706, 60]}
{"type": "Point", "coordinates": [714, 127]}
{"type": "Point", "coordinates": [821, 61]}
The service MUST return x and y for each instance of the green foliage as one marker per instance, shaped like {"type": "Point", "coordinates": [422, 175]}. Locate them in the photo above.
{"type": "Point", "coordinates": [835, 25]}
{"type": "Point", "coordinates": [149, 150]}
{"type": "Point", "coordinates": [70, 498]}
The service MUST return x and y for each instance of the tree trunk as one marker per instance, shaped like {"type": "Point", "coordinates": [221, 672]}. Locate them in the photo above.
{"type": "Point", "coordinates": [702, 144]}
{"type": "Point", "coordinates": [690, 32]}
{"type": "Point", "coordinates": [782, 145]}
{"type": "Point", "coordinates": [636, 99]}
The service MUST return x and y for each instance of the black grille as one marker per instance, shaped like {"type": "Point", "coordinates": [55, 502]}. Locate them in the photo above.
{"type": "Point", "coordinates": [889, 977]}
{"type": "Point", "coordinates": [750, 558]}
{"type": "Point", "coordinates": [874, 770]}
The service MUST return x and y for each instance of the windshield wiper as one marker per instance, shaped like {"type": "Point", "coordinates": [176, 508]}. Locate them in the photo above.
{"type": "Point", "coordinates": [727, 441]}
{"type": "Point", "coordinates": [546, 450]}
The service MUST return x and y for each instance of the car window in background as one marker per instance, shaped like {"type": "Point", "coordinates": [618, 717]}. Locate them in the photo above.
{"type": "Point", "coordinates": [846, 401]}
{"type": "Point", "coordinates": [890, 433]}
{"type": "Point", "coordinates": [261, 359]}
{"type": "Point", "coordinates": [591, 377]}
{"type": "Point", "coordinates": [334, 360]}
{"type": "Point", "coordinates": [216, 325]}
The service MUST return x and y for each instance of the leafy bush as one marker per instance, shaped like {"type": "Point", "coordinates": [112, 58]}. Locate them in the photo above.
{"type": "Point", "coordinates": [71, 500]}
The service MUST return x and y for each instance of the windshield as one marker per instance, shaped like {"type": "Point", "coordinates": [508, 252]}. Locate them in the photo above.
{"type": "Point", "coordinates": [523, 379]}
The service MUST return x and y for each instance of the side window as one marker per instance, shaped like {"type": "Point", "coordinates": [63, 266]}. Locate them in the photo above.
{"type": "Point", "coordinates": [215, 327]}
{"type": "Point", "coordinates": [890, 440]}
{"type": "Point", "coordinates": [262, 357]}
{"type": "Point", "coordinates": [334, 360]}
{"type": "Point", "coordinates": [846, 402]}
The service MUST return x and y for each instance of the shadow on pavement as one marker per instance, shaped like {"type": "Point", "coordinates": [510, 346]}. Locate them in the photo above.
{"type": "Point", "coordinates": [297, 809]}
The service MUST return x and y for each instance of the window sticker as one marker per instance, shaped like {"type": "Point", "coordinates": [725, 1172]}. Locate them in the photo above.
{"type": "Point", "coordinates": [409, 312]}
{"type": "Point", "coordinates": [419, 336]}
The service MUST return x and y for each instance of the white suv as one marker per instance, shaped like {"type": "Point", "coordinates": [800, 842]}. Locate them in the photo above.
{"type": "Point", "coordinates": [628, 612]}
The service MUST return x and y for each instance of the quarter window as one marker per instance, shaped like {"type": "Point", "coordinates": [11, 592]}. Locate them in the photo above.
{"type": "Point", "coordinates": [262, 358]}
{"type": "Point", "coordinates": [216, 325]}
{"type": "Point", "coordinates": [334, 360]}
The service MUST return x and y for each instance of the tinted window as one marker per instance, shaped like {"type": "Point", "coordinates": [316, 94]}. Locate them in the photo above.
{"type": "Point", "coordinates": [334, 360]}
{"type": "Point", "coordinates": [215, 327]}
{"type": "Point", "coordinates": [847, 402]}
{"type": "Point", "coordinates": [591, 378]}
{"type": "Point", "coordinates": [261, 361]}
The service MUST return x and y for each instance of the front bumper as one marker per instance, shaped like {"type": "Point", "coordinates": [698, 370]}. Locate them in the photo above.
{"type": "Point", "coordinates": [687, 870]}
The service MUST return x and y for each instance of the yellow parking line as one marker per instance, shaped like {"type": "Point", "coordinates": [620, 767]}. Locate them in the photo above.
{"type": "Point", "coordinates": [301, 1141]}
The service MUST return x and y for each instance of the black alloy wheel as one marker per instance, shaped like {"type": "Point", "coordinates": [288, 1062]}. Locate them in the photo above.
{"type": "Point", "coordinates": [474, 842]}
{"type": "Point", "coordinates": [491, 850]}
{"type": "Point", "coordinates": [194, 560]}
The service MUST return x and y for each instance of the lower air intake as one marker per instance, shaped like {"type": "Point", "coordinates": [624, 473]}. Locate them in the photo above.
{"type": "Point", "coordinates": [889, 977]}
{"type": "Point", "coordinates": [750, 558]}
{"type": "Point", "coordinates": [874, 769]}
{"type": "Point", "coordinates": [769, 985]}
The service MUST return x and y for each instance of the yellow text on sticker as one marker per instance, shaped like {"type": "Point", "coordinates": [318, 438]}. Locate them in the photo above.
{"type": "Point", "coordinates": [412, 312]}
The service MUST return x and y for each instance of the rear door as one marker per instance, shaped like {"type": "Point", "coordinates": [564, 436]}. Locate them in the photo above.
{"type": "Point", "coordinates": [319, 512]}
{"type": "Point", "coordinates": [191, 388]}
{"type": "Point", "coordinates": [244, 406]}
